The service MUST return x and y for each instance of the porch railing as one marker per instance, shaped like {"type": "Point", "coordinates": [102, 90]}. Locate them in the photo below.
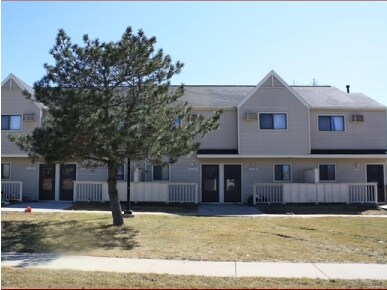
{"type": "Point", "coordinates": [139, 191]}
{"type": "Point", "coordinates": [88, 190]}
{"type": "Point", "coordinates": [268, 193]}
{"type": "Point", "coordinates": [363, 193]}
{"type": "Point", "coordinates": [315, 193]}
{"type": "Point", "coordinates": [183, 192]}
{"type": "Point", "coordinates": [12, 190]}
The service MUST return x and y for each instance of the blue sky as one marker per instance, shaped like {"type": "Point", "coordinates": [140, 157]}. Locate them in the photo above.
{"type": "Point", "coordinates": [336, 43]}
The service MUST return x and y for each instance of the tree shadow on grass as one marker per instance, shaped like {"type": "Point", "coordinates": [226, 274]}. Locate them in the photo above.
{"type": "Point", "coordinates": [62, 236]}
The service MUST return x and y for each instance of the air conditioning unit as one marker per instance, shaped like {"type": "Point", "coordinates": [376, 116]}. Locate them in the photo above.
{"type": "Point", "coordinates": [30, 117]}
{"type": "Point", "coordinates": [357, 118]}
{"type": "Point", "coordinates": [250, 116]}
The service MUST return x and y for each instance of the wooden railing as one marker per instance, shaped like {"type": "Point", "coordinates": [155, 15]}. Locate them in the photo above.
{"type": "Point", "coordinates": [183, 192]}
{"type": "Point", "coordinates": [11, 190]}
{"type": "Point", "coordinates": [268, 193]}
{"type": "Point", "coordinates": [139, 191]}
{"type": "Point", "coordinates": [363, 193]}
{"type": "Point", "coordinates": [88, 190]}
{"type": "Point", "coordinates": [315, 193]}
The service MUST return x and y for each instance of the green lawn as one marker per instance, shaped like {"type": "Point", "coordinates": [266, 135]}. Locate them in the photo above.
{"type": "Point", "coordinates": [330, 239]}
{"type": "Point", "coordinates": [38, 278]}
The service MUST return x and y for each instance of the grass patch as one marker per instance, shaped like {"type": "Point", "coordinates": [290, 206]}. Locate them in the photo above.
{"type": "Point", "coordinates": [311, 208]}
{"type": "Point", "coordinates": [38, 278]}
{"type": "Point", "coordinates": [328, 239]}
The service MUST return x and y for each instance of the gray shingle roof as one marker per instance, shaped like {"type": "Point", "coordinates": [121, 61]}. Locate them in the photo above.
{"type": "Point", "coordinates": [213, 97]}
{"type": "Point", "coordinates": [331, 98]}
{"type": "Point", "coordinates": [328, 97]}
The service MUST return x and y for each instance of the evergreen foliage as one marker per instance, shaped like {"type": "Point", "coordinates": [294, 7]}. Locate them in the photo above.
{"type": "Point", "coordinates": [110, 101]}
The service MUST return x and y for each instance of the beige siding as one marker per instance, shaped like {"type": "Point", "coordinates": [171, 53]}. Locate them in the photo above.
{"type": "Point", "coordinates": [294, 140]}
{"type": "Point", "coordinates": [370, 134]}
{"type": "Point", "coordinates": [226, 136]}
{"type": "Point", "coordinates": [13, 102]}
{"type": "Point", "coordinates": [23, 170]}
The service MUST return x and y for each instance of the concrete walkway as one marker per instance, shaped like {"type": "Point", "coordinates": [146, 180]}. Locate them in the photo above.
{"type": "Point", "coordinates": [198, 268]}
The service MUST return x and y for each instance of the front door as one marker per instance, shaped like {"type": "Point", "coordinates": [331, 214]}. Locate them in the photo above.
{"type": "Point", "coordinates": [232, 183]}
{"type": "Point", "coordinates": [46, 182]}
{"type": "Point", "coordinates": [67, 177]}
{"type": "Point", "coordinates": [375, 173]}
{"type": "Point", "coordinates": [210, 183]}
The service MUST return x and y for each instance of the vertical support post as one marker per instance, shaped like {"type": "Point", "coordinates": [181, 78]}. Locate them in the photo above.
{"type": "Point", "coordinates": [128, 211]}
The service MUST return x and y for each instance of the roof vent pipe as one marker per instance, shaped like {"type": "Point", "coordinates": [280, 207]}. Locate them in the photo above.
{"type": "Point", "coordinates": [347, 89]}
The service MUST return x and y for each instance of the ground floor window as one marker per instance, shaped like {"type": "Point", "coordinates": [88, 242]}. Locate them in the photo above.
{"type": "Point", "coordinates": [161, 172]}
{"type": "Point", "coordinates": [282, 172]}
{"type": "Point", "coordinates": [5, 171]}
{"type": "Point", "coordinates": [121, 172]}
{"type": "Point", "coordinates": [327, 172]}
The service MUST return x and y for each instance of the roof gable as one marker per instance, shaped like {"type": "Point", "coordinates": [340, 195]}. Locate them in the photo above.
{"type": "Point", "coordinates": [22, 85]}
{"type": "Point", "coordinates": [272, 80]}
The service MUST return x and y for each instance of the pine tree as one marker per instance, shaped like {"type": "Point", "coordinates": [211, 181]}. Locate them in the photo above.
{"type": "Point", "coordinates": [110, 101]}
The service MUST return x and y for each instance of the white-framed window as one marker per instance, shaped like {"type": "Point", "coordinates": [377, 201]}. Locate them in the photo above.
{"type": "Point", "coordinates": [121, 172]}
{"type": "Point", "coordinates": [331, 123]}
{"type": "Point", "coordinates": [192, 118]}
{"type": "Point", "coordinates": [273, 121]}
{"type": "Point", "coordinates": [5, 170]}
{"type": "Point", "coordinates": [282, 172]}
{"type": "Point", "coordinates": [327, 172]}
{"type": "Point", "coordinates": [161, 172]}
{"type": "Point", "coordinates": [11, 122]}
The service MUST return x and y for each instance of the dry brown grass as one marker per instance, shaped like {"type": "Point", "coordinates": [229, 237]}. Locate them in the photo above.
{"type": "Point", "coordinates": [38, 278]}
{"type": "Point", "coordinates": [330, 239]}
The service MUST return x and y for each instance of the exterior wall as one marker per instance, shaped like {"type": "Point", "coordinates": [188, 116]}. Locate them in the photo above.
{"type": "Point", "coordinates": [370, 134]}
{"type": "Point", "coordinates": [23, 170]}
{"type": "Point", "coordinates": [277, 99]}
{"type": "Point", "coordinates": [226, 136]}
{"type": "Point", "coordinates": [262, 170]}
{"type": "Point", "coordinates": [13, 102]}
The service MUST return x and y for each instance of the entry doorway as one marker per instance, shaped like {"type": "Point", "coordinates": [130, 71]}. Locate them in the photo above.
{"type": "Point", "coordinates": [68, 173]}
{"type": "Point", "coordinates": [46, 182]}
{"type": "Point", "coordinates": [375, 173]}
{"type": "Point", "coordinates": [221, 183]}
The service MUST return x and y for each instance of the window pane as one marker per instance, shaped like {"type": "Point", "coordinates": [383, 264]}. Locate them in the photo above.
{"type": "Point", "coordinates": [15, 123]}
{"type": "Point", "coordinates": [337, 123]}
{"type": "Point", "coordinates": [177, 122]}
{"type": "Point", "coordinates": [120, 172]}
{"type": "Point", "coordinates": [4, 122]}
{"type": "Point", "coordinates": [278, 172]}
{"type": "Point", "coordinates": [286, 172]}
{"type": "Point", "coordinates": [324, 123]}
{"type": "Point", "coordinates": [266, 121]}
{"type": "Point", "coordinates": [5, 171]}
{"type": "Point", "coordinates": [279, 121]}
{"type": "Point", "coordinates": [327, 172]}
{"type": "Point", "coordinates": [161, 172]}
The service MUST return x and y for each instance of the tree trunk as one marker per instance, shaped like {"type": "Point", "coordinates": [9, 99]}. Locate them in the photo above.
{"type": "Point", "coordinates": [113, 196]}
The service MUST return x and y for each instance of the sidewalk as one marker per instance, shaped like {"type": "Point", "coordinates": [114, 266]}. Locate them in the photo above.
{"type": "Point", "coordinates": [199, 268]}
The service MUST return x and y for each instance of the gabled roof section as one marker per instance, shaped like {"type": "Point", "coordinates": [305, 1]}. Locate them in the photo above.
{"type": "Point", "coordinates": [330, 97]}
{"type": "Point", "coordinates": [272, 79]}
{"type": "Point", "coordinates": [23, 86]}
{"type": "Point", "coordinates": [214, 97]}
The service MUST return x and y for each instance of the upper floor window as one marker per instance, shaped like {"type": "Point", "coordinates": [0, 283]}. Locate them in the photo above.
{"type": "Point", "coordinates": [5, 171]}
{"type": "Point", "coordinates": [161, 172]}
{"type": "Point", "coordinates": [282, 172]}
{"type": "Point", "coordinates": [327, 172]}
{"type": "Point", "coordinates": [11, 122]}
{"type": "Point", "coordinates": [331, 123]}
{"type": "Point", "coordinates": [177, 122]}
{"type": "Point", "coordinates": [273, 121]}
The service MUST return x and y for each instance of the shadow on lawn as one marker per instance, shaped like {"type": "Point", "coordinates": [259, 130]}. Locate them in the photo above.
{"type": "Point", "coordinates": [65, 236]}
